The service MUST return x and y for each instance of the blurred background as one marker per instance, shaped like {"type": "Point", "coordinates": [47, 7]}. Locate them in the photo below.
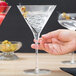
{"type": "Point", "coordinates": [14, 27]}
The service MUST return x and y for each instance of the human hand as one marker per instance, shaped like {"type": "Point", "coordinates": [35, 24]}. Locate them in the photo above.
{"type": "Point", "coordinates": [57, 42]}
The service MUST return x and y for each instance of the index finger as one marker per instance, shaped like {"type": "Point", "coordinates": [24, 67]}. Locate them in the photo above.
{"type": "Point", "coordinates": [53, 34]}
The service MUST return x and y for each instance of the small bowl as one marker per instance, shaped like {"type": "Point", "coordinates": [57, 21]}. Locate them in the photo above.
{"type": "Point", "coordinates": [9, 49]}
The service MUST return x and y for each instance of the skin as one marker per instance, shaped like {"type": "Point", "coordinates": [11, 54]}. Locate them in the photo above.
{"type": "Point", "coordinates": [57, 42]}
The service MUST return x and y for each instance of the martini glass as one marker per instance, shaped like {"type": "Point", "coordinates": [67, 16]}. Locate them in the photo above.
{"type": "Point", "coordinates": [3, 12]}
{"type": "Point", "coordinates": [36, 16]}
{"type": "Point", "coordinates": [68, 20]}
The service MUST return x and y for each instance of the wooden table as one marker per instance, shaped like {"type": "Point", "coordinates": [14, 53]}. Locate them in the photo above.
{"type": "Point", "coordinates": [27, 61]}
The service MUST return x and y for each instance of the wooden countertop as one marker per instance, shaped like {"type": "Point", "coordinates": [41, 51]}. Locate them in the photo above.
{"type": "Point", "coordinates": [27, 61]}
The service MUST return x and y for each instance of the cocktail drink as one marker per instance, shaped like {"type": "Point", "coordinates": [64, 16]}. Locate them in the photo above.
{"type": "Point", "coordinates": [4, 13]}
{"type": "Point", "coordinates": [4, 8]}
{"type": "Point", "coordinates": [68, 20]}
{"type": "Point", "coordinates": [36, 16]}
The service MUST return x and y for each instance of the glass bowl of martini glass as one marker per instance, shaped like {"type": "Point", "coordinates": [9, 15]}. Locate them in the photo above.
{"type": "Point", "coordinates": [8, 48]}
{"type": "Point", "coordinates": [68, 20]}
{"type": "Point", "coordinates": [3, 12]}
{"type": "Point", "coordinates": [36, 16]}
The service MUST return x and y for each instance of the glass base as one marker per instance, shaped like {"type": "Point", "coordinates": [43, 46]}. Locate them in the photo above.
{"type": "Point", "coordinates": [8, 56]}
{"type": "Point", "coordinates": [40, 72]}
{"type": "Point", "coordinates": [69, 62]}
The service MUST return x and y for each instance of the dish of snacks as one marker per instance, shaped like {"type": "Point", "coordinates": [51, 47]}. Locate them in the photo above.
{"type": "Point", "coordinates": [9, 46]}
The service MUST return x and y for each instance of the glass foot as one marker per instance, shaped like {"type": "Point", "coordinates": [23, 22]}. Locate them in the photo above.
{"type": "Point", "coordinates": [40, 72]}
{"type": "Point", "coordinates": [8, 56]}
{"type": "Point", "coordinates": [69, 62]}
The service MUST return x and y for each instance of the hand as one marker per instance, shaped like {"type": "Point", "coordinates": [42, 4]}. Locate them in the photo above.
{"type": "Point", "coordinates": [57, 42]}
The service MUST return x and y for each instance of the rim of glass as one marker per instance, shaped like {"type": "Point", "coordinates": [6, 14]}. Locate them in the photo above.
{"type": "Point", "coordinates": [12, 41]}
{"type": "Point", "coordinates": [66, 13]}
{"type": "Point", "coordinates": [36, 5]}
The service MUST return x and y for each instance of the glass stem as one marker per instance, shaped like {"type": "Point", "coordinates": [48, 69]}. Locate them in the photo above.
{"type": "Point", "coordinates": [36, 36]}
{"type": "Point", "coordinates": [72, 61]}
{"type": "Point", "coordinates": [8, 53]}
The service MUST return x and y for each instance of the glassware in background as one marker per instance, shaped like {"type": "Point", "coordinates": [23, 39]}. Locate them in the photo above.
{"type": "Point", "coordinates": [68, 20]}
{"type": "Point", "coordinates": [3, 13]}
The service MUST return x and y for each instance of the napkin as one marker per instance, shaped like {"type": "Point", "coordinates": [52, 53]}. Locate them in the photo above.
{"type": "Point", "coordinates": [71, 71]}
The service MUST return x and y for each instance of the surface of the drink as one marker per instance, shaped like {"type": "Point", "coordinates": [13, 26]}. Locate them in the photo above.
{"type": "Point", "coordinates": [37, 20]}
{"type": "Point", "coordinates": [70, 24]}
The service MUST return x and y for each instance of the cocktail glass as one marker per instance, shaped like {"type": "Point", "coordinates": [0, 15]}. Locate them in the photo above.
{"type": "Point", "coordinates": [68, 20]}
{"type": "Point", "coordinates": [36, 16]}
{"type": "Point", "coordinates": [3, 12]}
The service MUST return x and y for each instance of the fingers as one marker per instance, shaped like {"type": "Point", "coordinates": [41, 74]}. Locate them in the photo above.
{"type": "Point", "coordinates": [53, 34]}
{"type": "Point", "coordinates": [57, 50]}
{"type": "Point", "coordinates": [53, 49]}
{"type": "Point", "coordinates": [33, 46]}
{"type": "Point", "coordinates": [40, 46]}
{"type": "Point", "coordinates": [38, 40]}
{"type": "Point", "coordinates": [52, 46]}
{"type": "Point", "coordinates": [44, 40]}
{"type": "Point", "coordinates": [48, 49]}
{"type": "Point", "coordinates": [54, 40]}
